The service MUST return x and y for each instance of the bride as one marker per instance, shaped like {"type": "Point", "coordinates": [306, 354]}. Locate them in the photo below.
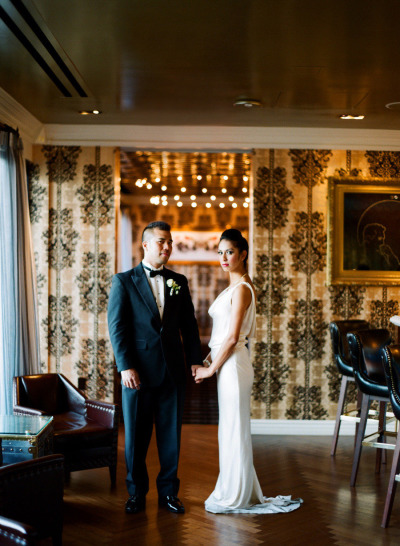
{"type": "Point", "coordinates": [234, 314]}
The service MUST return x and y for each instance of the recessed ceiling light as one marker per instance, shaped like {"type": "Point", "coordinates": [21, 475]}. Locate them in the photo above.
{"type": "Point", "coordinates": [247, 102]}
{"type": "Point", "coordinates": [89, 112]}
{"type": "Point", "coordinates": [351, 116]}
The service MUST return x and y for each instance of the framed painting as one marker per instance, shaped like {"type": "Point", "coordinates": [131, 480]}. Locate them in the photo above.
{"type": "Point", "coordinates": [364, 231]}
{"type": "Point", "coordinates": [195, 247]}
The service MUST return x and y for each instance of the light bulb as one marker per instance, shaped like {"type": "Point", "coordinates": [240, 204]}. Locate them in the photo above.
{"type": "Point", "coordinates": [208, 205]}
{"type": "Point", "coordinates": [179, 203]}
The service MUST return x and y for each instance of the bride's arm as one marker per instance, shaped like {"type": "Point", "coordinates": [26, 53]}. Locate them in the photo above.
{"type": "Point", "coordinates": [241, 299]}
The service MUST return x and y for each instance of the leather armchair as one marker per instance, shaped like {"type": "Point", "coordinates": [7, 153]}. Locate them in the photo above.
{"type": "Point", "coordinates": [85, 431]}
{"type": "Point", "coordinates": [31, 501]}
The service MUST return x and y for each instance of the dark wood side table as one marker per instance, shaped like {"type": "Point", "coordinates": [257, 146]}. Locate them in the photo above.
{"type": "Point", "coordinates": [25, 437]}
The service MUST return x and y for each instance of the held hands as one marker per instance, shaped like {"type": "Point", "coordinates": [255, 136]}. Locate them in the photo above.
{"type": "Point", "coordinates": [194, 368]}
{"type": "Point", "coordinates": [130, 379]}
{"type": "Point", "coordinates": [202, 373]}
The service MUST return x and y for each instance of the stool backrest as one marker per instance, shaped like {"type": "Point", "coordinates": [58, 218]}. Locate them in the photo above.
{"type": "Point", "coordinates": [365, 347]}
{"type": "Point", "coordinates": [339, 330]}
{"type": "Point", "coordinates": [391, 364]}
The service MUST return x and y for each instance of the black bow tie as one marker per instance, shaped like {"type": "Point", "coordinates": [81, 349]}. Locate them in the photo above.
{"type": "Point", "coordinates": [155, 272]}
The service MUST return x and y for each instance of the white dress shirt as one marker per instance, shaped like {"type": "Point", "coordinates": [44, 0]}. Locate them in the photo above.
{"type": "Point", "coordinates": [157, 285]}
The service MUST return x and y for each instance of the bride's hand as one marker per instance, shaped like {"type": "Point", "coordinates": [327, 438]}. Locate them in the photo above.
{"type": "Point", "coordinates": [202, 373]}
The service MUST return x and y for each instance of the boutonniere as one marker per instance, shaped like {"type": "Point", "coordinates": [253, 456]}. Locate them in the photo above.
{"type": "Point", "coordinates": [173, 286]}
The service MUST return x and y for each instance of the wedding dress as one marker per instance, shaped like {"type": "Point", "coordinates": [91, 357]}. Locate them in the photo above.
{"type": "Point", "coordinates": [237, 488]}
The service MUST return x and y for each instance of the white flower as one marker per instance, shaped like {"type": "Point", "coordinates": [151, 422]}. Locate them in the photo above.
{"type": "Point", "coordinates": [174, 287]}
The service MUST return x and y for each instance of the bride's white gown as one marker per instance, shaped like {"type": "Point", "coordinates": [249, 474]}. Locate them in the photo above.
{"type": "Point", "coordinates": [237, 488]}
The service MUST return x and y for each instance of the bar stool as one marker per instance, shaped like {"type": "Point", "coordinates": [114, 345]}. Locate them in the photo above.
{"type": "Point", "coordinates": [365, 347]}
{"type": "Point", "coordinates": [338, 330]}
{"type": "Point", "coordinates": [391, 364]}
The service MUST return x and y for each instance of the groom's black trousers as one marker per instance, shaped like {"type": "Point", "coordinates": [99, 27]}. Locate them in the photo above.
{"type": "Point", "coordinates": [163, 406]}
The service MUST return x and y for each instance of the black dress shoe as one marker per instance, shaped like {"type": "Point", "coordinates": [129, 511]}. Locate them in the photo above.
{"type": "Point", "coordinates": [135, 504]}
{"type": "Point", "coordinates": [172, 503]}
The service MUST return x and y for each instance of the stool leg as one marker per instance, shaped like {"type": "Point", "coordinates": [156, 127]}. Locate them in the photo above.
{"type": "Point", "coordinates": [366, 401]}
{"type": "Point", "coordinates": [392, 484]}
{"type": "Point", "coordinates": [341, 401]}
{"type": "Point", "coordinates": [381, 457]}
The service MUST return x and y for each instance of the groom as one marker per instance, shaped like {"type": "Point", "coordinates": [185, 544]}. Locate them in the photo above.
{"type": "Point", "coordinates": [153, 331]}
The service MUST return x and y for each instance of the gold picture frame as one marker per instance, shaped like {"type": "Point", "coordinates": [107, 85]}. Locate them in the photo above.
{"type": "Point", "coordinates": [363, 231]}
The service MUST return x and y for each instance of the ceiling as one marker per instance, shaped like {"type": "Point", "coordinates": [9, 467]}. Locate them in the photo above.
{"type": "Point", "coordinates": [192, 179]}
{"type": "Point", "coordinates": [185, 62]}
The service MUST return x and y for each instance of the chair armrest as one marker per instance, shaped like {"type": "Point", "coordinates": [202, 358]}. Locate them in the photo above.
{"type": "Point", "coordinates": [15, 532]}
{"type": "Point", "coordinates": [22, 410]}
{"type": "Point", "coordinates": [102, 412]}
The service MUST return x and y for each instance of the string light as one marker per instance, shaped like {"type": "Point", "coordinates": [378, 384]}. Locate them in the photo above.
{"type": "Point", "coordinates": [183, 189]}
{"type": "Point", "coordinates": [158, 179]}
{"type": "Point", "coordinates": [231, 198]}
{"type": "Point", "coordinates": [245, 205]}
{"type": "Point", "coordinates": [213, 198]}
{"type": "Point", "coordinates": [199, 177]}
{"type": "Point", "coordinates": [149, 186]}
{"type": "Point", "coordinates": [179, 203]}
{"type": "Point", "coordinates": [224, 190]}
{"type": "Point", "coordinates": [245, 179]}
{"type": "Point", "coordinates": [222, 205]}
{"type": "Point", "coordinates": [234, 205]}
{"type": "Point", "coordinates": [244, 190]}
{"type": "Point", "coordinates": [164, 188]}
{"type": "Point", "coordinates": [180, 178]}
{"type": "Point", "coordinates": [204, 190]}
{"type": "Point", "coordinates": [193, 197]}
{"type": "Point", "coordinates": [194, 205]}
{"type": "Point", "coordinates": [176, 197]}
{"type": "Point", "coordinates": [208, 205]}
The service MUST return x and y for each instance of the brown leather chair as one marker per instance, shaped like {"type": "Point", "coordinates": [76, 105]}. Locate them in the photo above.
{"type": "Point", "coordinates": [31, 501]}
{"type": "Point", "coordinates": [339, 330]}
{"type": "Point", "coordinates": [85, 431]}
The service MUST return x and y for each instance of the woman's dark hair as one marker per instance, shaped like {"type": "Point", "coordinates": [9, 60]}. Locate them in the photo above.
{"type": "Point", "coordinates": [235, 237]}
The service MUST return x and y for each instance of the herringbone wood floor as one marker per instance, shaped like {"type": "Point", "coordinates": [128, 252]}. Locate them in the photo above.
{"type": "Point", "coordinates": [332, 513]}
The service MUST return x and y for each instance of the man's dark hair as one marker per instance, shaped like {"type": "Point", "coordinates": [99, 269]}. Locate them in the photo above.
{"type": "Point", "coordinates": [163, 226]}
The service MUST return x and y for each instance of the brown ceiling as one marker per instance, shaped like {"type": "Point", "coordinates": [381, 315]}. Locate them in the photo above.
{"type": "Point", "coordinates": [185, 62]}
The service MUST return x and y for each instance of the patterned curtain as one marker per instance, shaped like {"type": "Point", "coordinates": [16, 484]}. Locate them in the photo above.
{"type": "Point", "coordinates": [19, 339]}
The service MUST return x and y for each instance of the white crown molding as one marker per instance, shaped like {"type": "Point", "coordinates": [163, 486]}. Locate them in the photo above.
{"type": "Point", "coordinates": [303, 427]}
{"type": "Point", "coordinates": [16, 116]}
{"type": "Point", "coordinates": [168, 137]}
{"type": "Point", "coordinates": [144, 137]}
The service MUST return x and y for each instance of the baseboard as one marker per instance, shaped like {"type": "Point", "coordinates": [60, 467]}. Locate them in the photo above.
{"type": "Point", "coordinates": [303, 427]}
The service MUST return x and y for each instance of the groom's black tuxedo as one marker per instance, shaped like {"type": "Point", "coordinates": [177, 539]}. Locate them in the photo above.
{"type": "Point", "coordinates": [157, 348]}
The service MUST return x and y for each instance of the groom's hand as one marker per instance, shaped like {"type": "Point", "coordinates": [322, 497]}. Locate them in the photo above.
{"type": "Point", "coordinates": [130, 379]}
{"type": "Point", "coordinates": [194, 369]}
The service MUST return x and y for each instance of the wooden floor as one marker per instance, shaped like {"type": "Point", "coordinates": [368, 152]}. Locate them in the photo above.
{"type": "Point", "coordinates": [332, 512]}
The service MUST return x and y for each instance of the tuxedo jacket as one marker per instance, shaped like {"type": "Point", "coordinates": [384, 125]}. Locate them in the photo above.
{"type": "Point", "coordinates": [141, 339]}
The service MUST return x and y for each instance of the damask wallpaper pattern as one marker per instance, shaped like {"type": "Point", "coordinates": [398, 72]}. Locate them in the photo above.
{"type": "Point", "coordinates": [72, 216]}
{"type": "Point", "coordinates": [295, 376]}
